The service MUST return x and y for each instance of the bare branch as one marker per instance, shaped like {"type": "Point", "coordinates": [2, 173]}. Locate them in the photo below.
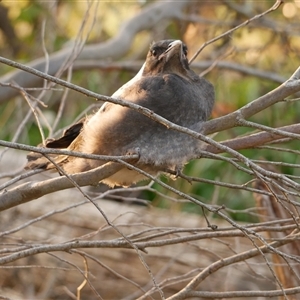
{"type": "Point", "coordinates": [273, 8]}
{"type": "Point", "coordinates": [220, 264]}
{"type": "Point", "coordinates": [288, 88]}
{"type": "Point", "coordinates": [256, 139]}
{"type": "Point", "coordinates": [244, 294]}
{"type": "Point", "coordinates": [134, 66]}
{"type": "Point", "coordinates": [33, 190]}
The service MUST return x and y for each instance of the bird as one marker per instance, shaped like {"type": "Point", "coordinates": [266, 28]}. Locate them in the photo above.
{"type": "Point", "coordinates": [166, 85]}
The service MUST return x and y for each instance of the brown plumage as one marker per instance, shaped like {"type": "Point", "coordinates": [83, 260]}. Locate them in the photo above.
{"type": "Point", "coordinates": [166, 85]}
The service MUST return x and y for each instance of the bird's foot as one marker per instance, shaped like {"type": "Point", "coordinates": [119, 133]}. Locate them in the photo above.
{"type": "Point", "coordinates": [178, 173]}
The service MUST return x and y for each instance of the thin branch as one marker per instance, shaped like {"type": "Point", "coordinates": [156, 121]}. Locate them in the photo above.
{"type": "Point", "coordinates": [222, 263]}
{"type": "Point", "coordinates": [243, 294]}
{"type": "Point", "coordinates": [64, 152]}
{"type": "Point", "coordinates": [256, 17]}
{"type": "Point", "coordinates": [122, 243]}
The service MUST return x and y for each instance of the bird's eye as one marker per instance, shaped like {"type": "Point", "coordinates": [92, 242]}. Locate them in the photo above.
{"type": "Point", "coordinates": [154, 52]}
{"type": "Point", "coordinates": [185, 51]}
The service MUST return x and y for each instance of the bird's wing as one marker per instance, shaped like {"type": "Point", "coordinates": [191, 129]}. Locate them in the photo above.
{"type": "Point", "coordinates": [68, 137]}
{"type": "Point", "coordinates": [173, 97]}
{"type": "Point", "coordinates": [39, 161]}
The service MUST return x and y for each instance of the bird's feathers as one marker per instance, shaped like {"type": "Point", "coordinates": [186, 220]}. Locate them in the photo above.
{"type": "Point", "coordinates": [165, 85]}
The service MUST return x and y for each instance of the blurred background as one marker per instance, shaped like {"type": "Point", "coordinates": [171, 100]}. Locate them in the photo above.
{"type": "Point", "coordinates": [106, 43]}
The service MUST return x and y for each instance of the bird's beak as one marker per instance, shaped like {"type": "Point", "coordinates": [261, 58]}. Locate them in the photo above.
{"type": "Point", "coordinates": [175, 47]}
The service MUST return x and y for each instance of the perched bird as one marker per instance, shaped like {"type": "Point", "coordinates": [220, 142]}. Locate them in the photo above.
{"type": "Point", "coordinates": [166, 85]}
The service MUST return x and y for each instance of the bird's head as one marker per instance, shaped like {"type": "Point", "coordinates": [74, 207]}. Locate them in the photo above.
{"type": "Point", "coordinates": [165, 57]}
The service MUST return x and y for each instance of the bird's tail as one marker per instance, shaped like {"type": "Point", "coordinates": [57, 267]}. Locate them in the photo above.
{"type": "Point", "coordinates": [37, 160]}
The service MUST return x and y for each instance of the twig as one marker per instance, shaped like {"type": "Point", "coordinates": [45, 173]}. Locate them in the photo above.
{"type": "Point", "coordinates": [43, 150]}
{"type": "Point", "coordinates": [244, 294]}
{"type": "Point", "coordinates": [86, 273]}
{"type": "Point", "coordinates": [273, 8]}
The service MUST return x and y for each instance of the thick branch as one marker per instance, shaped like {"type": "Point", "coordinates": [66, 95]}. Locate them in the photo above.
{"type": "Point", "coordinates": [288, 88]}
{"type": "Point", "coordinates": [134, 66]}
{"type": "Point", "coordinates": [33, 190]}
{"type": "Point", "coordinates": [253, 140]}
